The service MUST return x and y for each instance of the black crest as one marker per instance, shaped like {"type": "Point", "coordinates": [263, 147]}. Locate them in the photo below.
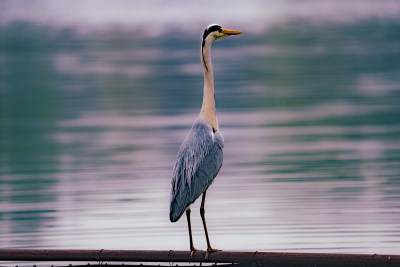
{"type": "Point", "coordinates": [209, 29]}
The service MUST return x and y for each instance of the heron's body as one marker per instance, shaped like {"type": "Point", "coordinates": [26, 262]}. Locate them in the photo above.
{"type": "Point", "coordinates": [199, 161]}
{"type": "Point", "coordinates": [200, 155]}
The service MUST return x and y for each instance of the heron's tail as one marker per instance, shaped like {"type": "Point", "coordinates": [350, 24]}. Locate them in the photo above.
{"type": "Point", "coordinates": [176, 211]}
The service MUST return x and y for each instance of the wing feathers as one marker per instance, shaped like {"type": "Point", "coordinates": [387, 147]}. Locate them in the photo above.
{"type": "Point", "coordinates": [198, 162]}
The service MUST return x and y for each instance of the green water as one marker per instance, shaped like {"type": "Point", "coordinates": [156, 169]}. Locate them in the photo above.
{"type": "Point", "coordinates": [90, 124]}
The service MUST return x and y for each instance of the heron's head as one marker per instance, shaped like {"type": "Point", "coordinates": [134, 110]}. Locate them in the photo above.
{"type": "Point", "coordinates": [215, 31]}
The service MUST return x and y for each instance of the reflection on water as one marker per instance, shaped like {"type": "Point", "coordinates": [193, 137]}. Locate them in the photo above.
{"type": "Point", "coordinates": [91, 124]}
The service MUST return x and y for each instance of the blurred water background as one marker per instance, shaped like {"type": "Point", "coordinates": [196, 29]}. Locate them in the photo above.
{"type": "Point", "coordinates": [97, 96]}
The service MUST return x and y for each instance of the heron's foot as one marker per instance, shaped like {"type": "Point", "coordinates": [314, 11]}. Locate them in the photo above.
{"type": "Point", "coordinates": [211, 250]}
{"type": "Point", "coordinates": [192, 251]}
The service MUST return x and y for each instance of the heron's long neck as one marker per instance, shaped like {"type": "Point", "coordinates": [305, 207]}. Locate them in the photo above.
{"type": "Point", "coordinates": [208, 108]}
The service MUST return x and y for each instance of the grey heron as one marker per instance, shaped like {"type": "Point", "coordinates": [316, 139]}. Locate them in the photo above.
{"type": "Point", "coordinates": [199, 158]}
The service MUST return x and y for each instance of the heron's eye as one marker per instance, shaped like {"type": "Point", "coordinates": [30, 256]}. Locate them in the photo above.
{"type": "Point", "coordinates": [220, 30]}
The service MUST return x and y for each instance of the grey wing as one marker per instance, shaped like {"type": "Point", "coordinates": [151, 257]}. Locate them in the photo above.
{"type": "Point", "coordinates": [207, 171]}
{"type": "Point", "coordinates": [198, 162]}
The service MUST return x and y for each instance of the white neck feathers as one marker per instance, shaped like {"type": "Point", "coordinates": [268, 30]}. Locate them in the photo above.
{"type": "Point", "coordinates": [208, 109]}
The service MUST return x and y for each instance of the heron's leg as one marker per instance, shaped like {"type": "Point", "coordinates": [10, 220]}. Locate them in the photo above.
{"type": "Point", "coordinates": [202, 211]}
{"type": "Point", "coordinates": [192, 249]}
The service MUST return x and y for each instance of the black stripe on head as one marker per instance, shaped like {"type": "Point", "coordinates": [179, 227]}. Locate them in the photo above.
{"type": "Point", "coordinates": [211, 28]}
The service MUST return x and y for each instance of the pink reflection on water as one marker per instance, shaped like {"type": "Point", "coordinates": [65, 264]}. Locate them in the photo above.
{"type": "Point", "coordinates": [120, 198]}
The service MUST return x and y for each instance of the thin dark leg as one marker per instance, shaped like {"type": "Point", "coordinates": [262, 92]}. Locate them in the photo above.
{"type": "Point", "coordinates": [190, 230]}
{"type": "Point", "coordinates": [202, 211]}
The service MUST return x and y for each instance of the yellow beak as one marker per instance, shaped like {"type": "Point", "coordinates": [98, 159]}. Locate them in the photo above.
{"type": "Point", "coordinates": [231, 32]}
